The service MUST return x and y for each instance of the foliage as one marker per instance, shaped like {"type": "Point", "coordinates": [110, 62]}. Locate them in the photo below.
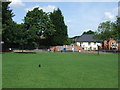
{"type": "Point", "coordinates": [118, 27]}
{"type": "Point", "coordinates": [89, 32]}
{"type": "Point", "coordinates": [39, 25]}
{"type": "Point", "coordinates": [20, 36]}
{"type": "Point", "coordinates": [7, 24]}
{"type": "Point", "coordinates": [68, 41]}
{"type": "Point", "coordinates": [107, 30]}
{"type": "Point", "coordinates": [0, 17]}
{"type": "Point", "coordinates": [60, 36]}
{"type": "Point", "coordinates": [39, 28]}
{"type": "Point", "coordinates": [7, 14]}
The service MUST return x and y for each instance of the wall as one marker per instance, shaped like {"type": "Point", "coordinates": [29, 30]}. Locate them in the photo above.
{"type": "Point", "coordinates": [87, 46]}
{"type": "Point", "coordinates": [107, 44]}
{"type": "Point", "coordinates": [118, 46]}
{"type": "Point", "coordinates": [57, 48]}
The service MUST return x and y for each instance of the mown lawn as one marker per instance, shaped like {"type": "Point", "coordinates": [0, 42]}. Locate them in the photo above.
{"type": "Point", "coordinates": [60, 70]}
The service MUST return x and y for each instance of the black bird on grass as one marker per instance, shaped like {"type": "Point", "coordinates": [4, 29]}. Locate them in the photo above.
{"type": "Point", "coordinates": [39, 65]}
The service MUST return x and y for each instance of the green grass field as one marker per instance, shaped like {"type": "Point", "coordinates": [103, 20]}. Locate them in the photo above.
{"type": "Point", "coordinates": [60, 70]}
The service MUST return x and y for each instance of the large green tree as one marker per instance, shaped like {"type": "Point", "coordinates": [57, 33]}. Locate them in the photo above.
{"type": "Point", "coordinates": [39, 26]}
{"type": "Point", "coordinates": [107, 30]}
{"type": "Point", "coordinates": [60, 36]}
{"type": "Point", "coordinates": [0, 17]}
{"type": "Point", "coordinates": [7, 13]}
{"type": "Point", "coordinates": [115, 30]}
{"type": "Point", "coordinates": [7, 24]}
{"type": "Point", "coordinates": [118, 27]}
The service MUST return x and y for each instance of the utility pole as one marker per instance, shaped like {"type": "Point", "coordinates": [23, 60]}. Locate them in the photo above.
{"type": "Point", "coordinates": [98, 45]}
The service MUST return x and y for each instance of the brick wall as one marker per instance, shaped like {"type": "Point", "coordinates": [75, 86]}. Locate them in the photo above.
{"type": "Point", "coordinates": [57, 48]}
{"type": "Point", "coordinates": [107, 44]}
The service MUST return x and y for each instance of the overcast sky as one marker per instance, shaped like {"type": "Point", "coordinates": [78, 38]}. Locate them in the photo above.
{"type": "Point", "coordinates": [78, 16]}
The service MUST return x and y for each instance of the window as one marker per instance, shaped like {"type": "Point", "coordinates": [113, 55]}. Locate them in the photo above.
{"type": "Point", "coordinates": [94, 43]}
{"type": "Point", "coordinates": [90, 48]}
{"type": "Point", "coordinates": [88, 43]}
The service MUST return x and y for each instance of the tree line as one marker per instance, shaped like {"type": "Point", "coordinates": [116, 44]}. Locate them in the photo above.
{"type": "Point", "coordinates": [108, 29]}
{"type": "Point", "coordinates": [38, 28]}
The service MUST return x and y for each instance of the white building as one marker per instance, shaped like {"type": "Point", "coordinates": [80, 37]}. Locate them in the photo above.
{"type": "Point", "coordinates": [88, 42]}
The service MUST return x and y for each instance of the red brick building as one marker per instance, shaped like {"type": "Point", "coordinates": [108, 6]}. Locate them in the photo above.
{"type": "Point", "coordinates": [111, 44]}
{"type": "Point", "coordinates": [118, 44]}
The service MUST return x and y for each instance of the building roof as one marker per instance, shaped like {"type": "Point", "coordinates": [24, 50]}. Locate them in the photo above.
{"type": "Point", "coordinates": [74, 38]}
{"type": "Point", "coordinates": [87, 38]}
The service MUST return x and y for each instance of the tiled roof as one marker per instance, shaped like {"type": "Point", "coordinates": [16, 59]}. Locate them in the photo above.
{"type": "Point", "coordinates": [87, 38]}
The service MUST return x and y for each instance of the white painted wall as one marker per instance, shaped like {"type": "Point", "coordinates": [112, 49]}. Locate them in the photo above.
{"type": "Point", "coordinates": [87, 46]}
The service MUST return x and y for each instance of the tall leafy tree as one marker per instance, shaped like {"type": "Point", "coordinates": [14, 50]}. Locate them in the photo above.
{"type": "Point", "coordinates": [60, 36]}
{"type": "Point", "coordinates": [115, 30]}
{"type": "Point", "coordinates": [7, 24]}
{"type": "Point", "coordinates": [106, 30]}
{"type": "Point", "coordinates": [0, 17]}
{"type": "Point", "coordinates": [118, 27]}
{"type": "Point", "coordinates": [39, 26]}
{"type": "Point", "coordinates": [7, 14]}
{"type": "Point", "coordinates": [14, 35]}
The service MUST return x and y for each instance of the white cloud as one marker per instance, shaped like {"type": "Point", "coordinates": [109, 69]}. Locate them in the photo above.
{"type": "Point", "coordinates": [108, 16]}
{"type": "Point", "coordinates": [29, 9]}
{"type": "Point", "coordinates": [49, 8]}
{"type": "Point", "coordinates": [16, 4]}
